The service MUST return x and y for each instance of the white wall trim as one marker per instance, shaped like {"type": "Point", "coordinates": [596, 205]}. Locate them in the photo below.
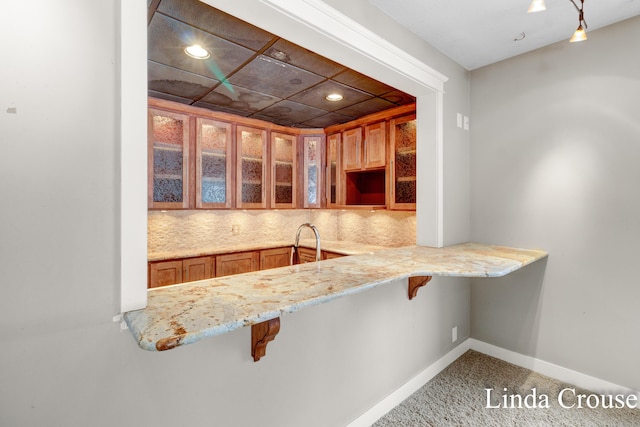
{"type": "Point", "coordinates": [133, 154]}
{"type": "Point", "coordinates": [549, 369]}
{"type": "Point", "coordinates": [545, 368]}
{"type": "Point", "coordinates": [327, 26]}
{"type": "Point", "coordinates": [410, 387]}
{"type": "Point", "coordinates": [336, 26]}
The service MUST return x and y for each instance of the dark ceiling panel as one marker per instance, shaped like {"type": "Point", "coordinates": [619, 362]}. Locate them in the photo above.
{"type": "Point", "coordinates": [168, 38]}
{"type": "Point", "coordinates": [293, 54]}
{"type": "Point", "coordinates": [315, 96]}
{"type": "Point", "coordinates": [373, 105]}
{"type": "Point", "coordinates": [169, 97]}
{"type": "Point", "coordinates": [290, 112]}
{"type": "Point", "coordinates": [398, 97]}
{"type": "Point", "coordinates": [327, 120]}
{"type": "Point", "coordinates": [270, 76]}
{"type": "Point", "coordinates": [239, 99]}
{"type": "Point", "coordinates": [208, 19]}
{"type": "Point", "coordinates": [360, 81]}
{"type": "Point", "coordinates": [221, 109]}
{"type": "Point", "coordinates": [177, 82]}
{"type": "Point", "coordinates": [252, 72]}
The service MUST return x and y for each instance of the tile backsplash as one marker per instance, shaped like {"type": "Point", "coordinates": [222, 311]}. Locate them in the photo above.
{"type": "Point", "coordinates": [179, 230]}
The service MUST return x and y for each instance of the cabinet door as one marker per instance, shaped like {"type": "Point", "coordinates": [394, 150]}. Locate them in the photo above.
{"type": "Point", "coordinates": [168, 154]}
{"type": "Point", "coordinates": [272, 258]}
{"type": "Point", "coordinates": [306, 255]}
{"type": "Point", "coordinates": [330, 255]}
{"type": "Point", "coordinates": [214, 164]}
{"type": "Point", "coordinates": [197, 268]}
{"type": "Point", "coordinates": [403, 163]}
{"type": "Point", "coordinates": [375, 143]}
{"type": "Point", "coordinates": [165, 273]}
{"type": "Point", "coordinates": [251, 146]}
{"type": "Point", "coordinates": [283, 170]}
{"type": "Point", "coordinates": [334, 171]}
{"type": "Point", "coordinates": [312, 178]}
{"type": "Point", "coordinates": [243, 262]}
{"type": "Point", "coordinates": [352, 149]}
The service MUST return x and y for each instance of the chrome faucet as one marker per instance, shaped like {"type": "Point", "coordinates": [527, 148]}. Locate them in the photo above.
{"type": "Point", "coordinates": [315, 231]}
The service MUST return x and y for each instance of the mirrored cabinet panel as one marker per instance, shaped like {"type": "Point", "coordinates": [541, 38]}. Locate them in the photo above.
{"type": "Point", "coordinates": [214, 164]}
{"type": "Point", "coordinates": [251, 168]}
{"type": "Point", "coordinates": [168, 159]}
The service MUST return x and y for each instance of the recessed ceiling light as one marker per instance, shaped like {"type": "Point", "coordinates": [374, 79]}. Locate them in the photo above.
{"type": "Point", "coordinates": [197, 51]}
{"type": "Point", "coordinates": [333, 97]}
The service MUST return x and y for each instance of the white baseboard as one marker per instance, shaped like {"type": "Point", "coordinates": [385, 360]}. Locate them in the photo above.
{"type": "Point", "coordinates": [410, 387]}
{"type": "Point", "coordinates": [545, 368]}
{"type": "Point", "coordinates": [549, 369]}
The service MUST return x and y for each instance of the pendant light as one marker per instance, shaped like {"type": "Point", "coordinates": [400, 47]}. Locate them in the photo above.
{"type": "Point", "coordinates": [580, 34]}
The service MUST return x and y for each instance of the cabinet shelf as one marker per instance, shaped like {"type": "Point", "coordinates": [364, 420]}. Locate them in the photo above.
{"type": "Point", "coordinates": [166, 176]}
{"type": "Point", "coordinates": [164, 146]}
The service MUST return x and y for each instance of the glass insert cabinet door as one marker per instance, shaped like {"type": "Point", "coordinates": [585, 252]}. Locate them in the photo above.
{"type": "Point", "coordinates": [283, 170]}
{"type": "Point", "coordinates": [403, 163]}
{"type": "Point", "coordinates": [214, 164]}
{"type": "Point", "coordinates": [168, 160]}
{"type": "Point", "coordinates": [333, 170]}
{"type": "Point", "coordinates": [312, 178]}
{"type": "Point", "coordinates": [251, 167]}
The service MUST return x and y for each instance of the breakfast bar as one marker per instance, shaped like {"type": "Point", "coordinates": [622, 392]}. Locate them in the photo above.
{"type": "Point", "coordinates": [186, 313]}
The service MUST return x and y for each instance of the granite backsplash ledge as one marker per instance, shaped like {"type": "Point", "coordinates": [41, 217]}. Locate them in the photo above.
{"type": "Point", "coordinates": [188, 229]}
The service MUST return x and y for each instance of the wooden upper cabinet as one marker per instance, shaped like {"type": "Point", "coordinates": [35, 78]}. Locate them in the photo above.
{"type": "Point", "coordinates": [283, 170]}
{"type": "Point", "coordinates": [375, 143]}
{"type": "Point", "coordinates": [402, 146]}
{"type": "Point", "coordinates": [334, 170]}
{"type": "Point", "coordinates": [168, 153]}
{"type": "Point", "coordinates": [352, 149]}
{"type": "Point", "coordinates": [370, 153]}
{"type": "Point", "coordinates": [313, 171]}
{"type": "Point", "coordinates": [214, 164]}
{"type": "Point", "coordinates": [251, 170]}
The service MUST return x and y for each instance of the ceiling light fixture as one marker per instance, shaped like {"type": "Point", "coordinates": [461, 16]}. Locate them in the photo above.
{"type": "Point", "coordinates": [580, 34]}
{"type": "Point", "coordinates": [333, 97]}
{"type": "Point", "coordinates": [196, 51]}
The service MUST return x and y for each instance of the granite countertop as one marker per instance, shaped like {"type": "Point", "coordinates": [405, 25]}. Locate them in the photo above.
{"type": "Point", "coordinates": [340, 247]}
{"type": "Point", "coordinates": [185, 313]}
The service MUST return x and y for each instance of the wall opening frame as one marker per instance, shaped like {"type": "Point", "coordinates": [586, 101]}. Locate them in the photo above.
{"type": "Point", "coordinates": [311, 24]}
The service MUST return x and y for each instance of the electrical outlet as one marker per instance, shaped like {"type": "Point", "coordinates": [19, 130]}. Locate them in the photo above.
{"type": "Point", "coordinates": [466, 123]}
{"type": "Point", "coordinates": [235, 229]}
{"type": "Point", "coordinates": [454, 334]}
{"type": "Point", "coordinates": [459, 120]}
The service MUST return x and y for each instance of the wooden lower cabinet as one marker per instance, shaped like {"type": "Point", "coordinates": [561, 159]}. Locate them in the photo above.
{"type": "Point", "coordinates": [165, 273]}
{"type": "Point", "coordinates": [273, 258]}
{"type": "Point", "coordinates": [172, 272]}
{"type": "Point", "coordinates": [307, 255]}
{"type": "Point", "coordinates": [330, 255]}
{"type": "Point", "coordinates": [238, 263]}
{"type": "Point", "coordinates": [198, 268]}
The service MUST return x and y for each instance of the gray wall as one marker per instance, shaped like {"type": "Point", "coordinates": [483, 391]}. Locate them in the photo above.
{"type": "Point", "coordinates": [65, 363]}
{"type": "Point", "coordinates": [556, 144]}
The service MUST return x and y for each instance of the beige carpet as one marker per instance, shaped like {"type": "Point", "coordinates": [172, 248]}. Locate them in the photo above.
{"type": "Point", "coordinates": [457, 397]}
